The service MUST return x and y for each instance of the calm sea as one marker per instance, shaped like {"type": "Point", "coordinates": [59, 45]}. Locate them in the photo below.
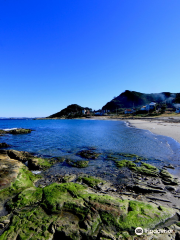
{"type": "Point", "coordinates": [67, 137]}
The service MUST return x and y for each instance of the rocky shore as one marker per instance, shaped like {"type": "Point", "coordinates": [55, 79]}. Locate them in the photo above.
{"type": "Point", "coordinates": [80, 206]}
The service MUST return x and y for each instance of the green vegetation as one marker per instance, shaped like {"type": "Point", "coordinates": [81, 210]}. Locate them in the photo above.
{"type": "Point", "coordinates": [89, 154]}
{"type": "Point", "coordinates": [72, 111]}
{"type": "Point", "coordinates": [28, 197]}
{"type": "Point", "coordinates": [70, 209]}
{"type": "Point", "coordinates": [145, 168]}
{"type": "Point", "coordinates": [167, 178]}
{"type": "Point", "coordinates": [78, 164]}
{"type": "Point", "coordinates": [24, 180]}
{"type": "Point", "coordinates": [91, 181]}
{"type": "Point", "coordinates": [55, 195]}
{"type": "Point", "coordinates": [126, 163]}
{"type": "Point", "coordinates": [43, 163]}
{"type": "Point", "coordinates": [128, 99]}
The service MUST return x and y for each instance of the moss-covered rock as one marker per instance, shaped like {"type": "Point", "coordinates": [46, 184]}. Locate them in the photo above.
{"type": "Point", "coordinates": [129, 155]}
{"type": "Point", "coordinates": [91, 181]}
{"type": "Point", "coordinates": [39, 163]}
{"type": "Point", "coordinates": [69, 211]}
{"type": "Point", "coordinates": [26, 198]}
{"type": "Point", "coordinates": [69, 178]}
{"type": "Point", "coordinates": [19, 131]}
{"type": "Point", "coordinates": [89, 154]}
{"type": "Point", "coordinates": [31, 223]}
{"type": "Point", "coordinates": [19, 155]}
{"type": "Point", "coordinates": [167, 178]}
{"type": "Point", "coordinates": [78, 164]}
{"type": "Point", "coordinates": [126, 163]}
{"type": "Point", "coordinates": [145, 168]}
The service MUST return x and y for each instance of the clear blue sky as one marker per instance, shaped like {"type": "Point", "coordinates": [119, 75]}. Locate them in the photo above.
{"type": "Point", "coordinates": [60, 52]}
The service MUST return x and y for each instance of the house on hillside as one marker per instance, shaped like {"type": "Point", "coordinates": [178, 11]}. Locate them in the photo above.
{"type": "Point", "coordinates": [86, 112]}
{"type": "Point", "coordinates": [148, 107]}
{"type": "Point", "coordinates": [177, 110]}
{"type": "Point", "coordinates": [151, 106]}
{"type": "Point", "coordinates": [105, 111]}
{"type": "Point", "coordinates": [128, 111]}
{"type": "Point", "coordinates": [143, 108]}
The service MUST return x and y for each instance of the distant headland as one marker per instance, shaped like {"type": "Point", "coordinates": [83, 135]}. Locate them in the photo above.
{"type": "Point", "coordinates": [127, 103]}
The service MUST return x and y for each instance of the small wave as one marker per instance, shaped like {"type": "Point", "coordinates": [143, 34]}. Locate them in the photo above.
{"type": "Point", "coordinates": [8, 129]}
{"type": "Point", "coordinates": [36, 172]}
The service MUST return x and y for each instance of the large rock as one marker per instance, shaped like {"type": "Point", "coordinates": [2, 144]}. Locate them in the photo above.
{"type": "Point", "coordinates": [19, 155]}
{"type": "Point", "coordinates": [13, 173]}
{"type": "Point", "coordinates": [19, 131]}
{"type": "Point", "coordinates": [89, 154]}
{"type": "Point", "coordinates": [70, 211]}
{"type": "Point", "coordinates": [4, 145]}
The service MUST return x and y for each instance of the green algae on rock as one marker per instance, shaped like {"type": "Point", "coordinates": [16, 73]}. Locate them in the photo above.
{"type": "Point", "coordinates": [89, 154]}
{"type": "Point", "coordinates": [39, 164]}
{"type": "Point", "coordinates": [19, 131]}
{"type": "Point", "coordinates": [145, 168]}
{"type": "Point", "coordinates": [68, 210]}
{"type": "Point", "coordinates": [167, 178]}
{"type": "Point", "coordinates": [126, 163]}
{"type": "Point", "coordinates": [90, 181]}
{"type": "Point", "coordinates": [78, 164]}
{"type": "Point", "coordinates": [19, 155]}
{"type": "Point", "coordinates": [26, 198]}
{"type": "Point", "coordinates": [22, 179]}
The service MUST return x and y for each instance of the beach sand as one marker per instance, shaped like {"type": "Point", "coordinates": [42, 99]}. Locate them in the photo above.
{"type": "Point", "coordinates": [159, 127]}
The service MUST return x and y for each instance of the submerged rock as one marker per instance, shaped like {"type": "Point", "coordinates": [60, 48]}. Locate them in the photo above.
{"type": "Point", "coordinates": [89, 154]}
{"type": "Point", "coordinates": [78, 164]}
{"type": "Point", "coordinates": [19, 131]}
{"type": "Point", "coordinates": [4, 145]}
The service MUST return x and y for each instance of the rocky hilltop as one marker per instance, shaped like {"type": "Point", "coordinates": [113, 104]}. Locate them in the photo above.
{"type": "Point", "coordinates": [71, 111]}
{"type": "Point", "coordinates": [129, 99]}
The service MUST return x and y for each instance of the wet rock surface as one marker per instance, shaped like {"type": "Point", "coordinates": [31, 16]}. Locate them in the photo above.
{"type": "Point", "coordinates": [88, 154]}
{"type": "Point", "coordinates": [4, 145]}
{"type": "Point", "coordinates": [15, 131]}
{"type": "Point", "coordinates": [81, 206]}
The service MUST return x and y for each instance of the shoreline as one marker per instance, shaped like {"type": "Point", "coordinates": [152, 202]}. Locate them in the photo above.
{"type": "Point", "coordinates": [159, 127]}
{"type": "Point", "coordinates": [165, 126]}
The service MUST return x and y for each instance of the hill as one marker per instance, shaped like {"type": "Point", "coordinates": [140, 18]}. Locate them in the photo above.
{"type": "Point", "coordinates": [129, 99]}
{"type": "Point", "coordinates": [71, 111]}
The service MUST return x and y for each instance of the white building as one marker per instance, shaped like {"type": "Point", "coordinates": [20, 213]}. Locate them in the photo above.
{"type": "Point", "coordinates": [149, 106]}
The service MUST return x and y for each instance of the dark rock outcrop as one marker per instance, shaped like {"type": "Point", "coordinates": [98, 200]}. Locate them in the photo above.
{"type": "Point", "coordinates": [4, 145]}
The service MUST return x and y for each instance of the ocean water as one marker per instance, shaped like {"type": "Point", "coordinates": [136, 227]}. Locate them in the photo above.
{"type": "Point", "coordinates": [55, 138]}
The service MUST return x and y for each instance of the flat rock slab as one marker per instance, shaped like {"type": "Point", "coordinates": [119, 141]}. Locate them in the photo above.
{"type": "Point", "coordinates": [9, 169]}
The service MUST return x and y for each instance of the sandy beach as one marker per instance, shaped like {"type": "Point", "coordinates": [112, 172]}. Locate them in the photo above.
{"type": "Point", "coordinates": [159, 127]}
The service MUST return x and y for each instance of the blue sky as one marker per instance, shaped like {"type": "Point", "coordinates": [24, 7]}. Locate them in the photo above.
{"type": "Point", "coordinates": [60, 52]}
